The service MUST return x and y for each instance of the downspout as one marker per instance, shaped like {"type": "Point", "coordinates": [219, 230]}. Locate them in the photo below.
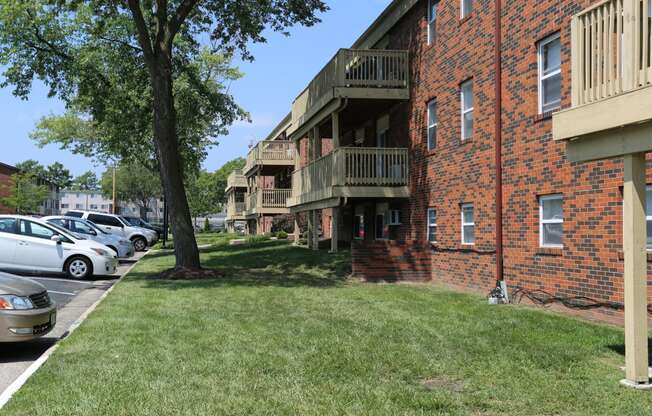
{"type": "Point", "coordinates": [498, 132]}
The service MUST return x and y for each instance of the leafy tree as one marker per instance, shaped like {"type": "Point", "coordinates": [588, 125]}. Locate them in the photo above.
{"type": "Point", "coordinates": [112, 61]}
{"type": "Point", "coordinates": [86, 182]}
{"type": "Point", "coordinates": [58, 174]}
{"type": "Point", "coordinates": [221, 176]}
{"type": "Point", "coordinates": [32, 167]}
{"type": "Point", "coordinates": [23, 194]}
{"type": "Point", "coordinates": [202, 195]}
{"type": "Point", "coordinates": [134, 183]}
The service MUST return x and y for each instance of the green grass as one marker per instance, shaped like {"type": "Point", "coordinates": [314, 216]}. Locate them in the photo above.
{"type": "Point", "coordinates": [204, 239]}
{"type": "Point", "coordinates": [286, 334]}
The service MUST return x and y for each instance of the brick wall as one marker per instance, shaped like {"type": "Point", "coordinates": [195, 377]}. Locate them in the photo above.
{"type": "Point", "coordinates": [5, 181]}
{"type": "Point", "coordinates": [390, 260]}
{"type": "Point", "coordinates": [457, 171]}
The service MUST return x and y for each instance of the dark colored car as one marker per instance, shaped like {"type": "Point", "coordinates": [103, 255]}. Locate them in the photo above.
{"type": "Point", "coordinates": [139, 222]}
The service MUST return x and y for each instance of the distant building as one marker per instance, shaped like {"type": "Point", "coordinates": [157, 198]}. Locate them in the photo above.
{"type": "Point", "coordinates": [95, 201]}
{"type": "Point", "coordinates": [48, 207]}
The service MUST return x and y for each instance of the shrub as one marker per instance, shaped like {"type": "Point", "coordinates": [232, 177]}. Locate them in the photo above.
{"type": "Point", "coordinates": [282, 235]}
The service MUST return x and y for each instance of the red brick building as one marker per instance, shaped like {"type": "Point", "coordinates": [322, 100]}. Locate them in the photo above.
{"type": "Point", "coordinates": [397, 146]}
{"type": "Point", "coordinates": [5, 181]}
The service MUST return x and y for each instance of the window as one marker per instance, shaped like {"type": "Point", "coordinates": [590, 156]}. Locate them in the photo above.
{"type": "Point", "coordinates": [432, 124]}
{"type": "Point", "coordinates": [466, 8]}
{"type": "Point", "coordinates": [468, 224]}
{"type": "Point", "coordinates": [649, 217]}
{"type": "Point", "coordinates": [65, 206]}
{"type": "Point", "coordinates": [549, 57]}
{"type": "Point", "coordinates": [394, 217]}
{"type": "Point", "coordinates": [105, 220]}
{"type": "Point", "coordinates": [433, 5]}
{"type": "Point", "coordinates": [79, 206]}
{"type": "Point", "coordinates": [466, 95]}
{"type": "Point", "coordinates": [93, 206]}
{"type": "Point", "coordinates": [432, 225]}
{"type": "Point", "coordinates": [551, 221]}
{"type": "Point", "coordinates": [8, 225]}
{"type": "Point", "coordinates": [33, 229]}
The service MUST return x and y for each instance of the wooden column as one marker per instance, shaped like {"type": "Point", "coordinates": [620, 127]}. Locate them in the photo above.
{"type": "Point", "coordinates": [315, 229]}
{"type": "Point", "coordinates": [335, 122]}
{"type": "Point", "coordinates": [634, 246]}
{"type": "Point", "coordinates": [310, 229]}
{"type": "Point", "coordinates": [335, 224]}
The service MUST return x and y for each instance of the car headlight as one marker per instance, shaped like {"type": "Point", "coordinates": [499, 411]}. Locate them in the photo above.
{"type": "Point", "coordinates": [101, 252]}
{"type": "Point", "coordinates": [15, 302]}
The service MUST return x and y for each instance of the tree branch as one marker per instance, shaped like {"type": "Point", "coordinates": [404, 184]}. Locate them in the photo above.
{"type": "Point", "coordinates": [180, 15]}
{"type": "Point", "coordinates": [143, 34]}
{"type": "Point", "coordinates": [120, 42]}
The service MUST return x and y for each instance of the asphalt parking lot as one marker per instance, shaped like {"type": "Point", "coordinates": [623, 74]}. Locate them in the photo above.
{"type": "Point", "coordinates": [73, 298]}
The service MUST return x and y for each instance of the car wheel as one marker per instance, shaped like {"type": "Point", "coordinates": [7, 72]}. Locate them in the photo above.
{"type": "Point", "coordinates": [79, 268]}
{"type": "Point", "coordinates": [140, 244]}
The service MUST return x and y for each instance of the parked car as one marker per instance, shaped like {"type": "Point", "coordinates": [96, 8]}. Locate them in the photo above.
{"type": "Point", "coordinates": [26, 311]}
{"type": "Point", "coordinates": [118, 225]}
{"type": "Point", "coordinates": [122, 247]}
{"type": "Point", "coordinates": [28, 244]}
{"type": "Point", "coordinates": [139, 222]}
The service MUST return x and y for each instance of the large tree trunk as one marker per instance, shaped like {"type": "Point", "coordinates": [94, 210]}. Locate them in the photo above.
{"type": "Point", "coordinates": [171, 166]}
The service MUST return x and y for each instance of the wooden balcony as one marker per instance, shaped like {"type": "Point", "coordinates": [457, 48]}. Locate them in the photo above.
{"type": "Point", "coordinates": [363, 74]}
{"type": "Point", "coordinates": [270, 153]}
{"type": "Point", "coordinates": [235, 211]}
{"type": "Point", "coordinates": [267, 202]}
{"type": "Point", "coordinates": [352, 172]}
{"type": "Point", "coordinates": [611, 81]}
{"type": "Point", "coordinates": [236, 180]}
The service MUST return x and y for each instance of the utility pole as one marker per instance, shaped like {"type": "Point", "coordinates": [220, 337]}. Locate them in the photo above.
{"type": "Point", "coordinates": [115, 201]}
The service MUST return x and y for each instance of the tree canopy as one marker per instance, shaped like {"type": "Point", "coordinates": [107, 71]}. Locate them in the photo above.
{"type": "Point", "coordinates": [23, 195]}
{"type": "Point", "coordinates": [55, 173]}
{"type": "Point", "coordinates": [134, 183]}
{"type": "Point", "coordinates": [87, 181]}
{"type": "Point", "coordinates": [140, 78]}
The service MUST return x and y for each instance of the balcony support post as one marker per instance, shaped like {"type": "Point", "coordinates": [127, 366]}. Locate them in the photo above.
{"type": "Point", "coordinates": [315, 229]}
{"type": "Point", "coordinates": [335, 225]}
{"type": "Point", "coordinates": [335, 122]}
{"type": "Point", "coordinates": [635, 273]}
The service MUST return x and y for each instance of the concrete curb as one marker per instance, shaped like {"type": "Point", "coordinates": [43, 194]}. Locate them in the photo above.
{"type": "Point", "coordinates": [22, 379]}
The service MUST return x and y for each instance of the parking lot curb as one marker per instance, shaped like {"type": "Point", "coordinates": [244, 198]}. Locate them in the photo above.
{"type": "Point", "coordinates": [9, 392]}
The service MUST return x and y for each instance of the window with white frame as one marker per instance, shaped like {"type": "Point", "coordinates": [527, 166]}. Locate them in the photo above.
{"type": "Point", "coordinates": [468, 224]}
{"type": "Point", "coordinates": [466, 95]}
{"type": "Point", "coordinates": [649, 217]}
{"type": "Point", "coordinates": [551, 221]}
{"type": "Point", "coordinates": [549, 60]}
{"type": "Point", "coordinates": [466, 7]}
{"type": "Point", "coordinates": [432, 225]}
{"type": "Point", "coordinates": [432, 124]}
{"type": "Point", "coordinates": [433, 5]}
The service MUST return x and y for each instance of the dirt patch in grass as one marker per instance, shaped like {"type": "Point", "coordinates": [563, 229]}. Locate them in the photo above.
{"type": "Point", "coordinates": [186, 273]}
{"type": "Point", "coordinates": [443, 384]}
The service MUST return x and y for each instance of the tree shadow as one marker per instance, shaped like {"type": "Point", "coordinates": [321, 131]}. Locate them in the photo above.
{"type": "Point", "coordinates": [264, 264]}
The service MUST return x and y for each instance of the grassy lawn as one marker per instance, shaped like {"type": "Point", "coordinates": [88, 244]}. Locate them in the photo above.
{"type": "Point", "coordinates": [286, 334]}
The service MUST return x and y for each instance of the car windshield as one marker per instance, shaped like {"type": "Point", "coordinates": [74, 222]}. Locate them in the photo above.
{"type": "Point", "coordinates": [133, 221]}
{"type": "Point", "coordinates": [124, 220]}
{"type": "Point", "coordinates": [95, 227]}
{"type": "Point", "coordinates": [66, 233]}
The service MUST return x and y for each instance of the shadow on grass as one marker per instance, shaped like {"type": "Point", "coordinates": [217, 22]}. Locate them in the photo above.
{"type": "Point", "coordinates": [263, 264]}
{"type": "Point", "coordinates": [620, 349]}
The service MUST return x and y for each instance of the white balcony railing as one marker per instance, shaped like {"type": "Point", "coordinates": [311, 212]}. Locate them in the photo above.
{"type": "Point", "coordinates": [611, 43]}
{"type": "Point", "coordinates": [351, 166]}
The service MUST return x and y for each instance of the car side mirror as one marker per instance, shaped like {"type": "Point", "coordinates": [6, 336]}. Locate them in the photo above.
{"type": "Point", "coordinates": [56, 238]}
{"type": "Point", "coordinates": [92, 232]}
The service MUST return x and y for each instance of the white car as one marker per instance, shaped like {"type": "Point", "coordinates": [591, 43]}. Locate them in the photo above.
{"type": "Point", "coordinates": [115, 224]}
{"type": "Point", "coordinates": [27, 244]}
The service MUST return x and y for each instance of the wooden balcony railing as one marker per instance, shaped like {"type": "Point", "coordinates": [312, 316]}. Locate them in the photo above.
{"type": "Point", "coordinates": [610, 49]}
{"type": "Point", "coordinates": [236, 180]}
{"type": "Point", "coordinates": [268, 199]}
{"type": "Point", "coordinates": [235, 209]}
{"type": "Point", "coordinates": [351, 68]}
{"type": "Point", "coordinates": [351, 166]}
{"type": "Point", "coordinates": [270, 151]}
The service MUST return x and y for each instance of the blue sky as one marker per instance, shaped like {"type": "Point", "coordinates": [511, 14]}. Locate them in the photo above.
{"type": "Point", "coordinates": [283, 67]}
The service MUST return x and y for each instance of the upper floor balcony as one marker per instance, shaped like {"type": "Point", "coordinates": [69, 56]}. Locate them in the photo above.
{"type": "Point", "coordinates": [267, 202]}
{"type": "Point", "coordinates": [270, 154]}
{"type": "Point", "coordinates": [236, 179]}
{"type": "Point", "coordinates": [352, 73]}
{"type": "Point", "coordinates": [611, 78]}
{"type": "Point", "coordinates": [352, 172]}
